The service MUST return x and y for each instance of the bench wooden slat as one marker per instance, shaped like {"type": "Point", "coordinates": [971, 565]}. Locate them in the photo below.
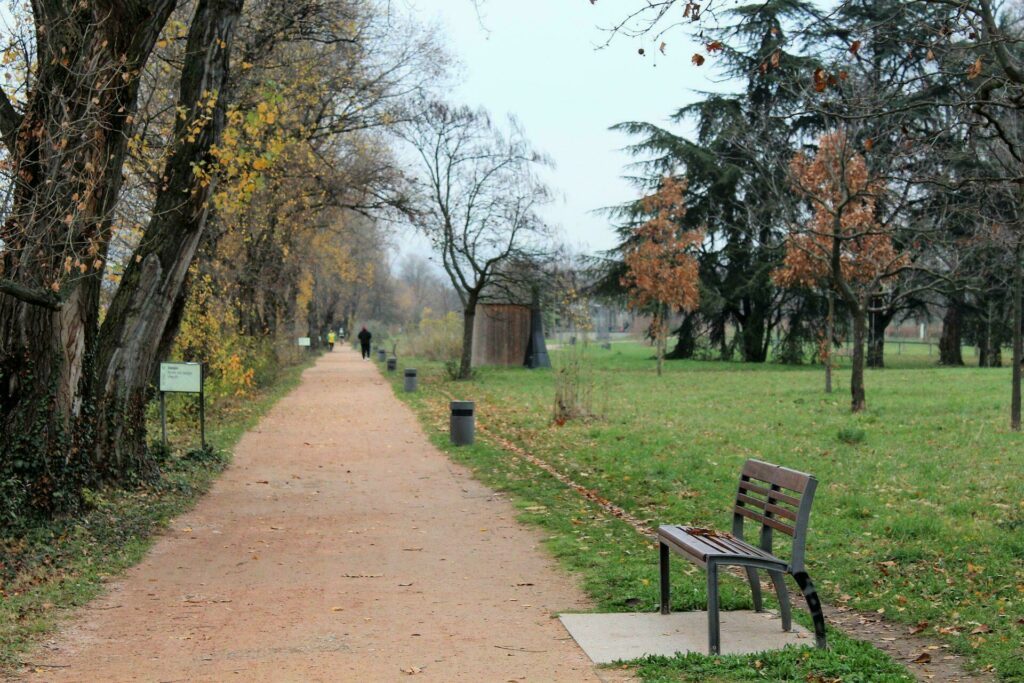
{"type": "Point", "coordinates": [780, 496]}
{"type": "Point", "coordinates": [769, 521]}
{"type": "Point", "coordinates": [774, 474]}
{"type": "Point", "coordinates": [766, 506]}
{"type": "Point", "coordinates": [699, 547]}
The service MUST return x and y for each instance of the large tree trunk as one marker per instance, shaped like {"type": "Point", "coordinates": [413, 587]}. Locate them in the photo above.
{"type": "Point", "coordinates": [1018, 344]}
{"type": "Point", "coordinates": [468, 319]}
{"type": "Point", "coordinates": [950, 346]}
{"type": "Point", "coordinates": [878, 322]}
{"type": "Point", "coordinates": [990, 355]}
{"type": "Point", "coordinates": [753, 332]}
{"type": "Point", "coordinates": [142, 309]}
{"type": "Point", "coordinates": [857, 399]}
{"type": "Point", "coordinates": [686, 342]}
{"type": "Point", "coordinates": [68, 155]}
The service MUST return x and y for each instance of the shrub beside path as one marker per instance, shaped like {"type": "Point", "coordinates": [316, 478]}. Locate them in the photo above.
{"type": "Point", "coordinates": [339, 546]}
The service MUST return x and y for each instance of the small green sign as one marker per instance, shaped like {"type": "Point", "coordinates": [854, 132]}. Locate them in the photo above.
{"type": "Point", "coordinates": [181, 378]}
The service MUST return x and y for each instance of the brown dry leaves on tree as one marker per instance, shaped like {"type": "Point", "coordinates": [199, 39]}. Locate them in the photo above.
{"type": "Point", "coordinates": [844, 196]}
{"type": "Point", "coordinates": [661, 274]}
{"type": "Point", "coordinates": [659, 268]}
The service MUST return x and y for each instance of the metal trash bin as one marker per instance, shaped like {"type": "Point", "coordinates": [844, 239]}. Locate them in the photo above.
{"type": "Point", "coordinates": [411, 380]}
{"type": "Point", "coordinates": [463, 423]}
{"type": "Point", "coordinates": [381, 355]}
{"type": "Point", "coordinates": [392, 364]}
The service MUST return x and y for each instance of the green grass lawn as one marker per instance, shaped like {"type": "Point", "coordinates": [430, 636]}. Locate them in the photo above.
{"type": "Point", "coordinates": [50, 567]}
{"type": "Point", "coordinates": [921, 518]}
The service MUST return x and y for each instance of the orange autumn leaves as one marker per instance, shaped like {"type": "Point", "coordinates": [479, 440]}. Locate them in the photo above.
{"type": "Point", "coordinates": [843, 196]}
{"type": "Point", "coordinates": [660, 270]}
{"type": "Point", "coordinates": [662, 273]}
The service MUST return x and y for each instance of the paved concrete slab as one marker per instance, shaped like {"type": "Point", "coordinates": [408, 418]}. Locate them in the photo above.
{"type": "Point", "coordinates": [608, 638]}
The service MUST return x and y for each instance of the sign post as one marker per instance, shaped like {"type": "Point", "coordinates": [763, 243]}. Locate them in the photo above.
{"type": "Point", "coordinates": [183, 378]}
{"type": "Point", "coordinates": [202, 406]}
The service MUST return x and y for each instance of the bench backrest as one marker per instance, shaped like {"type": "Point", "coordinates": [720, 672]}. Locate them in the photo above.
{"type": "Point", "coordinates": [779, 499]}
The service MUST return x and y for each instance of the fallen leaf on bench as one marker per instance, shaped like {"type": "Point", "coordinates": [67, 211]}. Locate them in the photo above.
{"type": "Point", "coordinates": [923, 658]}
{"type": "Point", "coordinates": [709, 533]}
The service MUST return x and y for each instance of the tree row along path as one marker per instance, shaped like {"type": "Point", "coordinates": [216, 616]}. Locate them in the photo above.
{"type": "Point", "coordinates": [339, 546]}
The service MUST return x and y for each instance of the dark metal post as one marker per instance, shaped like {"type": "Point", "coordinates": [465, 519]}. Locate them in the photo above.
{"type": "Point", "coordinates": [202, 406]}
{"type": "Point", "coordinates": [411, 379]}
{"type": "Point", "coordinates": [392, 364]}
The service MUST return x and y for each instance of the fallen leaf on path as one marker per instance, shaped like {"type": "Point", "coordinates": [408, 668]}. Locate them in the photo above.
{"type": "Point", "coordinates": [277, 528]}
{"type": "Point", "coordinates": [923, 658]}
{"type": "Point", "coordinates": [337, 609]}
{"type": "Point", "coordinates": [361, 576]}
{"type": "Point", "coordinates": [412, 670]}
{"type": "Point", "coordinates": [921, 626]}
{"type": "Point", "coordinates": [403, 585]}
{"type": "Point", "coordinates": [263, 481]}
{"type": "Point", "coordinates": [412, 550]}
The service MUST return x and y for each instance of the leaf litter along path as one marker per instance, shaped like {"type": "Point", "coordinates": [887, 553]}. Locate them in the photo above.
{"type": "Point", "coordinates": [339, 546]}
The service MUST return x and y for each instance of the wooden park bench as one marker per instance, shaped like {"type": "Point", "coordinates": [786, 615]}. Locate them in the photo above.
{"type": "Point", "coordinates": [776, 498]}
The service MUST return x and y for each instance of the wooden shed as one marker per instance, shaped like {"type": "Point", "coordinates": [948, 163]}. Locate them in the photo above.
{"type": "Point", "coordinates": [501, 334]}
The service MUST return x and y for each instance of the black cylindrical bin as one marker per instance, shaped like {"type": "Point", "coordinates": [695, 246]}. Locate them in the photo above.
{"type": "Point", "coordinates": [411, 379]}
{"type": "Point", "coordinates": [381, 354]}
{"type": "Point", "coordinates": [463, 423]}
{"type": "Point", "coordinates": [392, 364]}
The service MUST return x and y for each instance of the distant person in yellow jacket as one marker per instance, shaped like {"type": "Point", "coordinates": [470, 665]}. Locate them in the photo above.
{"type": "Point", "coordinates": [330, 340]}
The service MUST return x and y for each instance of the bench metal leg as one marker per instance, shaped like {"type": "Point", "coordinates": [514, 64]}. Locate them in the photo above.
{"type": "Point", "coordinates": [663, 566]}
{"type": "Point", "coordinates": [714, 635]}
{"type": "Point", "coordinates": [779, 581]}
{"type": "Point", "coordinates": [814, 605]}
{"type": "Point", "coordinates": [755, 588]}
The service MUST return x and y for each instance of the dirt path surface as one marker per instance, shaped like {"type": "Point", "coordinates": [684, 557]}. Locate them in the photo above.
{"type": "Point", "coordinates": [339, 546]}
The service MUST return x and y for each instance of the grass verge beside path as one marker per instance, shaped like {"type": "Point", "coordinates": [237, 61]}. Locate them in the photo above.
{"type": "Point", "coordinates": [920, 514]}
{"type": "Point", "coordinates": [55, 566]}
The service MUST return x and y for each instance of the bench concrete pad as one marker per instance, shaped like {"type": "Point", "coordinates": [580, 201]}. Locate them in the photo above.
{"type": "Point", "coordinates": [607, 638]}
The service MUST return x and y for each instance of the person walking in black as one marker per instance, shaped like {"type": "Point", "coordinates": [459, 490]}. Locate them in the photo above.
{"type": "Point", "coordinates": [364, 342]}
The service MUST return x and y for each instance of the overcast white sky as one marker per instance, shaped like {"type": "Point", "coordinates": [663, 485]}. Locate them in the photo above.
{"type": "Point", "coordinates": [536, 59]}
